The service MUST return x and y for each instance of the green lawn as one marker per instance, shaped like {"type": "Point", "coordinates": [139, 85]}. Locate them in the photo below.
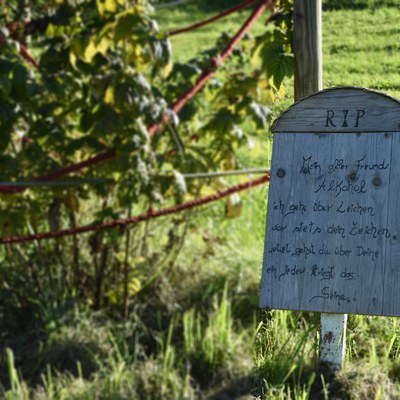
{"type": "Point", "coordinates": [362, 48]}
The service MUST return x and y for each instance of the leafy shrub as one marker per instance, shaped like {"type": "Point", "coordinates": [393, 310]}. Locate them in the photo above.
{"type": "Point", "coordinates": [104, 75]}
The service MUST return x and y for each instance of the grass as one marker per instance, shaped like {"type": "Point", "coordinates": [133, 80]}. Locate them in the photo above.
{"type": "Point", "coordinates": [196, 332]}
{"type": "Point", "coordinates": [361, 48]}
{"type": "Point", "coordinates": [204, 38]}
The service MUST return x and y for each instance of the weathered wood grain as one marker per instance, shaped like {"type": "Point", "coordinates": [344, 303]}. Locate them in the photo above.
{"type": "Point", "coordinates": [307, 45]}
{"type": "Point", "coordinates": [333, 226]}
{"type": "Point", "coordinates": [342, 109]}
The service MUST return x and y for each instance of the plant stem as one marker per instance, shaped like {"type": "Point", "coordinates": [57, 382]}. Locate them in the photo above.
{"type": "Point", "coordinates": [126, 267]}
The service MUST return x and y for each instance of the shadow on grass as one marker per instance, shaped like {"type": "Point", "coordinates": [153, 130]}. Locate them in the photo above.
{"type": "Point", "coordinates": [328, 384]}
{"type": "Point", "coordinates": [239, 388]}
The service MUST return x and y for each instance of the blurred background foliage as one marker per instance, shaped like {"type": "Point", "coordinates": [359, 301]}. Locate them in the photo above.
{"type": "Point", "coordinates": [80, 78]}
{"type": "Point", "coordinates": [104, 74]}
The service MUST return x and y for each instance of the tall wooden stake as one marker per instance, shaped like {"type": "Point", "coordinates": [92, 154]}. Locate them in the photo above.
{"type": "Point", "coordinates": [307, 43]}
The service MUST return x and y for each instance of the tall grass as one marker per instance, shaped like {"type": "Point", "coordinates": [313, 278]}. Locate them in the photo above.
{"type": "Point", "coordinates": [18, 388]}
{"type": "Point", "coordinates": [212, 347]}
{"type": "Point", "coordinates": [283, 357]}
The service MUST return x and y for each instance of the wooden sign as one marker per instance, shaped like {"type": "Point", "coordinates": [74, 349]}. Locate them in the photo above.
{"type": "Point", "coordinates": [333, 225]}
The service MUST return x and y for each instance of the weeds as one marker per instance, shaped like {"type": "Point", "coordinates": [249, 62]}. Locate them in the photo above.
{"type": "Point", "coordinates": [212, 347]}
{"type": "Point", "coordinates": [282, 357]}
{"type": "Point", "coordinates": [18, 389]}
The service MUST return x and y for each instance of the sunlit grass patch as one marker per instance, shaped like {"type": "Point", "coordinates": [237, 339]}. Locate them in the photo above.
{"type": "Point", "coordinates": [361, 48]}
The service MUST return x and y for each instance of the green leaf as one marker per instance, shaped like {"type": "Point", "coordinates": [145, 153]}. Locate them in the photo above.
{"type": "Point", "coordinates": [86, 121]}
{"type": "Point", "coordinates": [107, 121]}
{"type": "Point", "coordinates": [84, 142]}
{"type": "Point", "coordinates": [78, 45]}
{"type": "Point", "coordinates": [63, 15]}
{"type": "Point", "coordinates": [19, 82]}
{"type": "Point", "coordinates": [223, 121]}
{"type": "Point", "coordinates": [8, 165]}
{"type": "Point", "coordinates": [188, 112]}
{"type": "Point", "coordinates": [187, 71]}
{"type": "Point", "coordinates": [239, 86]}
{"type": "Point", "coordinates": [276, 62]}
{"type": "Point", "coordinates": [281, 68]}
{"type": "Point", "coordinates": [6, 67]}
{"type": "Point", "coordinates": [122, 97]}
{"type": "Point", "coordinates": [5, 136]}
{"type": "Point", "coordinates": [5, 86]}
{"type": "Point", "coordinates": [128, 25]}
{"type": "Point", "coordinates": [233, 206]}
{"type": "Point", "coordinates": [55, 59]}
{"type": "Point", "coordinates": [47, 109]}
{"type": "Point", "coordinates": [106, 6]}
{"type": "Point", "coordinates": [260, 115]}
{"type": "Point", "coordinates": [161, 52]}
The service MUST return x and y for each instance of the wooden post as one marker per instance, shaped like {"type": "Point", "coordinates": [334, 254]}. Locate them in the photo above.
{"type": "Point", "coordinates": [333, 339]}
{"type": "Point", "coordinates": [307, 44]}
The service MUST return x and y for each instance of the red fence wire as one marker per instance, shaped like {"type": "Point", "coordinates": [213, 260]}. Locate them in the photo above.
{"type": "Point", "coordinates": [139, 218]}
{"type": "Point", "coordinates": [206, 75]}
{"type": "Point", "coordinates": [61, 172]}
{"type": "Point", "coordinates": [212, 19]}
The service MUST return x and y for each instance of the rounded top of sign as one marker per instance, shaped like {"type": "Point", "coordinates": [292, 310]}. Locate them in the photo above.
{"type": "Point", "coordinates": [345, 109]}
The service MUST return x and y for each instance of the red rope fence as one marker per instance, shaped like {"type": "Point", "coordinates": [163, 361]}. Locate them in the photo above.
{"type": "Point", "coordinates": [215, 62]}
{"type": "Point", "coordinates": [213, 19]}
{"type": "Point", "coordinates": [62, 172]}
{"type": "Point", "coordinates": [139, 218]}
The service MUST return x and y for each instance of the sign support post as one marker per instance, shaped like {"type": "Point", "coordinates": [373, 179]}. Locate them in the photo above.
{"type": "Point", "coordinates": [308, 80]}
{"type": "Point", "coordinates": [332, 347]}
